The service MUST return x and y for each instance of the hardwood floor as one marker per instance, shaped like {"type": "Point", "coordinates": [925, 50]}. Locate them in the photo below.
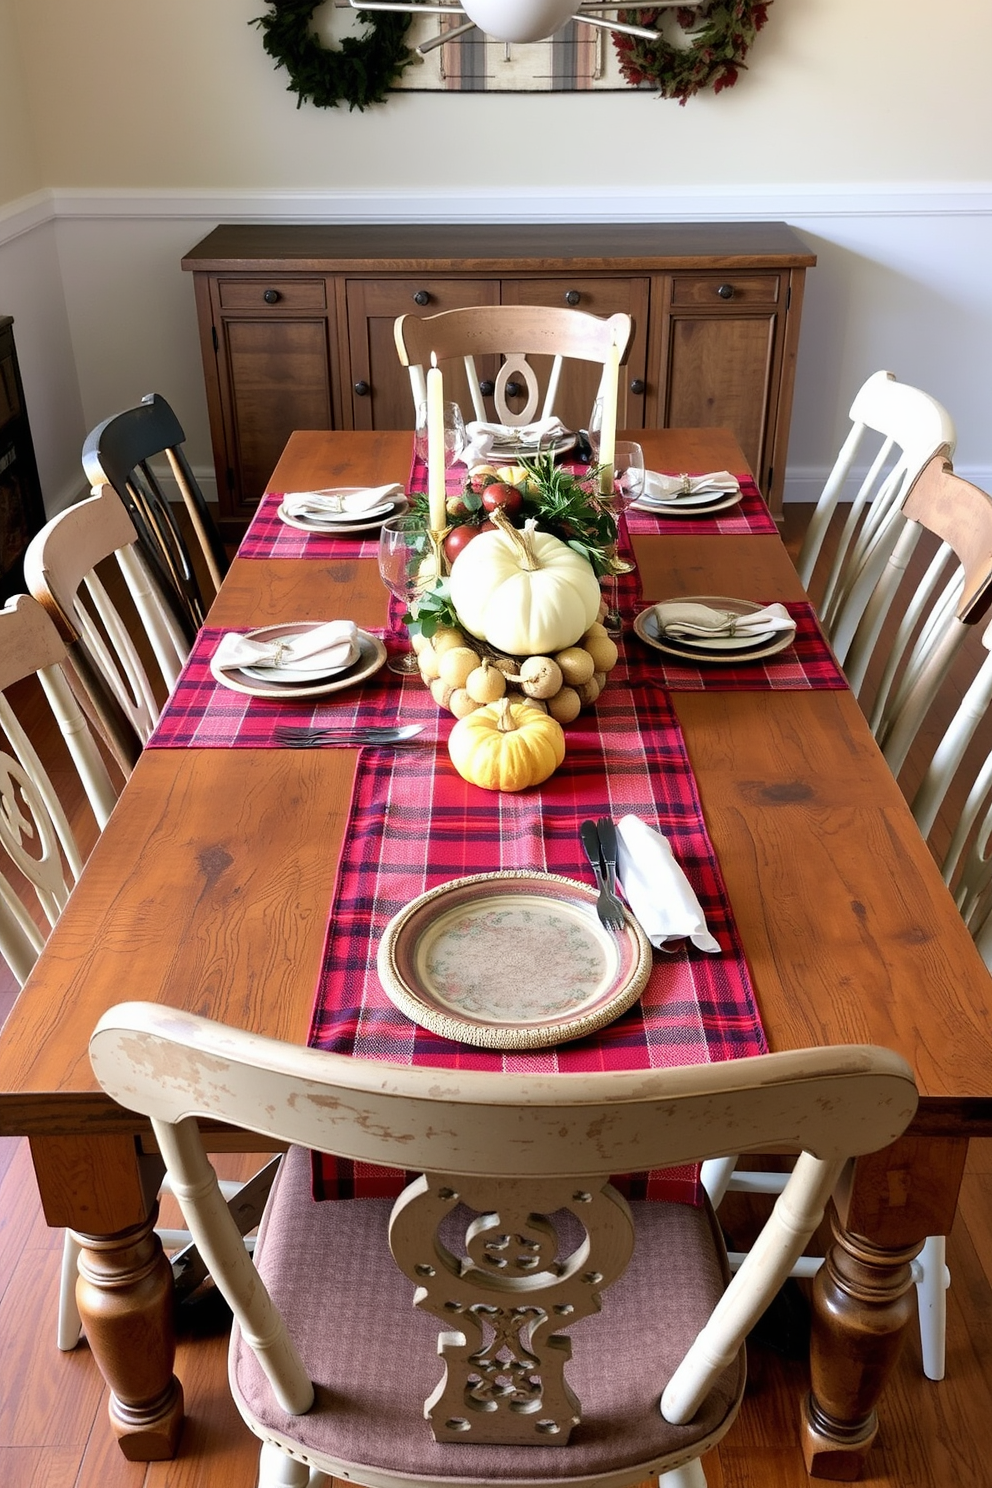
{"type": "Point", "coordinates": [54, 1433]}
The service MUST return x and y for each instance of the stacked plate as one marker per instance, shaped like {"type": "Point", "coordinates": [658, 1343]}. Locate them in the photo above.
{"type": "Point", "coordinates": [299, 680]}
{"type": "Point", "coordinates": [664, 497]}
{"type": "Point", "coordinates": [759, 642]}
{"type": "Point", "coordinates": [341, 509]}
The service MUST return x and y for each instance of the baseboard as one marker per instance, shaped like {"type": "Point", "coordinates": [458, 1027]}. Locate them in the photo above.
{"type": "Point", "coordinates": [805, 484]}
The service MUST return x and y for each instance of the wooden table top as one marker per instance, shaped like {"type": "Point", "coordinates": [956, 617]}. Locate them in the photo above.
{"type": "Point", "coordinates": [210, 886]}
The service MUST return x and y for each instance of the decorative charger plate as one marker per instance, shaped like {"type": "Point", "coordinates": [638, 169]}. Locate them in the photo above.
{"type": "Point", "coordinates": [511, 960]}
{"type": "Point", "coordinates": [371, 656]}
{"type": "Point", "coordinates": [728, 650]}
{"type": "Point", "coordinates": [688, 506]}
{"type": "Point", "coordinates": [329, 528]}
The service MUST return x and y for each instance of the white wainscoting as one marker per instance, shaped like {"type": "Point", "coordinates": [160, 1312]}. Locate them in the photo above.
{"type": "Point", "coordinates": [104, 312]}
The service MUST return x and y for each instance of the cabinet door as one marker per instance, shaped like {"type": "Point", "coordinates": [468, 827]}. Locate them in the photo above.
{"type": "Point", "coordinates": [580, 382]}
{"type": "Point", "coordinates": [380, 396]}
{"type": "Point", "coordinates": [721, 359]}
{"type": "Point", "coordinates": [274, 376]}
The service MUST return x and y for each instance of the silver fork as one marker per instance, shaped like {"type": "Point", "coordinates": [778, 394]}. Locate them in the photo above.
{"type": "Point", "coordinates": [343, 734]}
{"type": "Point", "coordinates": [608, 906]}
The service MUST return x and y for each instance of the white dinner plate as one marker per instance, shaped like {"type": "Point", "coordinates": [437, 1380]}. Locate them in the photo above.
{"type": "Point", "coordinates": [371, 656]}
{"type": "Point", "coordinates": [686, 506]}
{"type": "Point", "coordinates": [516, 449]}
{"type": "Point", "coordinates": [330, 526]}
{"type": "Point", "coordinates": [715, 650]}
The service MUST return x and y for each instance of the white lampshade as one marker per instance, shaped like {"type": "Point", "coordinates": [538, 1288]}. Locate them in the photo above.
{"type": "Point", "coordinates": [519, 20]}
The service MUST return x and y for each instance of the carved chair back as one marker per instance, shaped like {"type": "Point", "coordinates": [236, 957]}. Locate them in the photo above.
{"type": "Point", "coordinates": [514, 1230]}
{"type": "Point", "coordinates": [34, 828]}
{"type": "Point", "coordinates": [118, 453]}
{"type": "Point", "coordinates": [514, 333]}
{"type": "Point", "coordinates": [60, 571]}
{"type": "Point", "coordinates": [913, 427]}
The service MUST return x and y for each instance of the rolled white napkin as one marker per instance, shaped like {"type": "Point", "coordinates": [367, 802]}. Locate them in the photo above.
{"type": "Point", "coordinates": [482, 437]}
{"type": "Point", "coordinates": [668, 490]}
{"type": "Point", "coordinates": [659, 894]}
{"type": "Point", "coordinates": [341, 505]}
{"type": "Point", "coordinates": [690, 621]}
{"type": "Point", "coordinates": [332, 647]}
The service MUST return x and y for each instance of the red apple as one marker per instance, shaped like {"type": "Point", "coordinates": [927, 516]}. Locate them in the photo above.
{"type": "Point", "coordinates": [458, 538]}
{"type": "Point", "coordinates": [507, 497]}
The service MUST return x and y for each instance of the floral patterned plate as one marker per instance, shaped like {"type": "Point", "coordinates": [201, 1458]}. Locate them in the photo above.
{"type": "Point", "coordinates": [512, 960]}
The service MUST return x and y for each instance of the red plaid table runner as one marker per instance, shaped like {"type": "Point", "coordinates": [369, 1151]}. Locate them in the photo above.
{"type": "Point", "coordinates": [415, 823]}
{"type": "Point", "coordinates": [807, 665]}
{"type": "Point", "coordinates": [749, 517]}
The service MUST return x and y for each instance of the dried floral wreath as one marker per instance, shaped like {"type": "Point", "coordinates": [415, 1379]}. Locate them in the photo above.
{"type": "Point", "coordinates": [720, 35]}
{"type": "Point", "coordinates": [358, 72]}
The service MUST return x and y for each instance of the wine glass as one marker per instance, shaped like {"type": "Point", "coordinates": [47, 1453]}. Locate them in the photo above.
{"type": "Point", "coordinates": [628, 487]}
{"type": "Point", "coordinates": [455, 437]}
{"type": "Point", "coordinates": [407, 569]}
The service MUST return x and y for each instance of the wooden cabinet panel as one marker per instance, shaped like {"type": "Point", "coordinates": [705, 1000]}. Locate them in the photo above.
{"type": "Point", "coordinates": [296, 326]}
{"type": "Point", "coordinates": [380, 386]}
{"type": "Point", "coordinates": [602, 296]}
{"type": "Point", "coordinates": [277, 380]}
{"type": "Point", "coordinates": [720, 373]}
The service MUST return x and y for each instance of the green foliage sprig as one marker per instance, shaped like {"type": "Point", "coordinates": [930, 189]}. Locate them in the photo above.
{"type": "Point", "coordinates": [720, 35]}
{"type": "Point", "coordinates": [358, 72]}
{"type": "Point", "coordinates": [568, 506]}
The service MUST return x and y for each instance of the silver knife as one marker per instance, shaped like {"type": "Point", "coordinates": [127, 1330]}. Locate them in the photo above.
{"type": "Point", "coordinates": [607, 834]}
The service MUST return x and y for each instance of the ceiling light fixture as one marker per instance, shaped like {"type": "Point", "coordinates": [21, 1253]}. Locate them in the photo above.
{"type": "Point", "coordinates": [525, 20]}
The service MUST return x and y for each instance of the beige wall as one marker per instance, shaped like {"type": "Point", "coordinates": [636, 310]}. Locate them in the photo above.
{"type": "Point", "coordinates": [179, 93]}
{"type": "Point", "coordinates": [19, 171]}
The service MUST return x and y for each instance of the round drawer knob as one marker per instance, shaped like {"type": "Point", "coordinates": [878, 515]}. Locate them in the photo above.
{"type": "Point", "coordinates": [422, 297]}
{"type": "Point", "coordinates": [572, 297]}
{"type": "Point", "coordinates": [362, 389]}
{"type": "Point", "coordinates": [726, 291]}
{"type": "Point", "coordinates": [487, 387]}
{"type": "Point", "coordinates": [637, 386]}
{"type": "Point", "coordinates": [271, 296]}
{"type": "Point", "coordinates": [515, 389]}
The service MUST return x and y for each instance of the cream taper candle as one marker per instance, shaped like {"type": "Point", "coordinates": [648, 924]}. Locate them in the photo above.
{"type": "Point", "coordinates": [435, 447]}
{"type": "Point", "coordinates": [608, 432]}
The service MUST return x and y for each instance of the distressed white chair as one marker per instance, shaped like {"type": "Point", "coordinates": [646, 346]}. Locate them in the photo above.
{"type": "Point", "coordinates": [513, 333]}
{"type": "Point", "coordinates": [513, 1238]}
{"type": "Point", "coordinates": [912, 427]}
{"type": "Point", "coordinates": [60, 571]}
{"type": "Point", "coordinates": [119, 453]}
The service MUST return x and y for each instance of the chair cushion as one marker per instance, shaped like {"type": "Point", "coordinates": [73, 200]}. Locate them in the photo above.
{"type": "Point", "coordinates": [373, 1357]}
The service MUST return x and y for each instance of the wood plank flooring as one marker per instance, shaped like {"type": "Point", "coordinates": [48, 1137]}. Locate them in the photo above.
{"type": "Point", "coordinates": [54, 1433]}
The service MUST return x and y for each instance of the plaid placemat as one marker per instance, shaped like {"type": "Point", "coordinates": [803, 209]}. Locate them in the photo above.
{"type": "Point", "coordinates": [807, 665]}
{"type": "Point", "coordinates": [268, 536]}
{"type": "Point", "coordinates": [412, 827]}
{"type": "Point", "coordinates": [749, 516]}
{"type": "Point", "coordinates": [203, 714]}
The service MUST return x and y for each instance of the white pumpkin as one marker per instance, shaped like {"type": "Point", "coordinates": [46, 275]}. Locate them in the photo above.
{"type": "Point", "coordinates": [524, 592]}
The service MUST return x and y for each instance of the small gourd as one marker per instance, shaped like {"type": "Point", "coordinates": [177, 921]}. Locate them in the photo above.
{"type": "Point", "coordinates": [539, 677]}
{"type": "Point", "coordinates": [456, 663]}
{"type": "Point", "coordinates": [486, 684]}
{"type": "Point", "coordinates": [506, 747]}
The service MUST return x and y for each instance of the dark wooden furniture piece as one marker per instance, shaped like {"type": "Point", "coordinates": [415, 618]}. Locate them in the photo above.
{"type": "Point", "coordinates": [296, 326]}
{"type": "Point", "coordinates": [215, 871]}
{"type": "Point", "coordinates": [22, 507]}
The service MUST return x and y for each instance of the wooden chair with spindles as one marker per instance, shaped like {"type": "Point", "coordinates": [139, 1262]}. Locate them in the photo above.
{"type": "Point", "coordinates": [121, 453]}
{"type": "Point", "coordinates": [513, 334]}
{"type": "Point", "coordinates": [60, 571]}
{"type": "Point", "coordinates": [902, 427]}
{"type": "Point", "coordinates": [512, 1255]}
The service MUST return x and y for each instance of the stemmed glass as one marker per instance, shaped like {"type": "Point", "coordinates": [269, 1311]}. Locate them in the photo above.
{"type": "Point", "coordinates": [455, 437]}
{"type": "Point", "coordinates": [628, 487]}
{"type": "Point", "coordinates": [407, 570]}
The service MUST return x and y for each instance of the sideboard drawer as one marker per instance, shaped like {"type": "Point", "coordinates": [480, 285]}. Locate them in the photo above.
{"type": "Point", "coordinates": [713, 290]}
{"type": "Point", "coordinates": [274, 294]}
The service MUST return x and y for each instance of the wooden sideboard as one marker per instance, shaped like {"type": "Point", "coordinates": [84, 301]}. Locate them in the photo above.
{"type": "Point", "coordinates": [296, 326]}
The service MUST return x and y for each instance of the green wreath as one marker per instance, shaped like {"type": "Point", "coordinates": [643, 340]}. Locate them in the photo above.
{"type": "Point", "coordinates": [720, 34]}
{"type": "Point", "coordinates": [358, 72]}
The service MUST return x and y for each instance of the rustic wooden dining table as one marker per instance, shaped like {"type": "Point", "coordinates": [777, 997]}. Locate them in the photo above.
{"type": "Point", "coordinates": [211, 887]}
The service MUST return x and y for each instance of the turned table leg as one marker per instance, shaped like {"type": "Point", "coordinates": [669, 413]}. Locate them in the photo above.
{"type": "Point", "coordinates": [863, 1296]}
{"type": "Point", "coordinates": [99, 1186]}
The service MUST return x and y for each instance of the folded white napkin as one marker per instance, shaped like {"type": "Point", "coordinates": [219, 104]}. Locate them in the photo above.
{"type": "Point", "coordinates": [482, 437]}
{"type": "Point", "coordinates": [667, 490]}
{"type": "Point", "coordinates": [658, 892]}
{"type": "Point", "coordinates": [687, 620]}
{"type": "Point", "coordinates": [331, 647]}
{"type": "Point", "coordinates": [341, 506]}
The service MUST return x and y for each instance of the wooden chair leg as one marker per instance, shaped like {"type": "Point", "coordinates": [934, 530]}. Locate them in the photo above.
{"type": "Point", "coordinates": [690, 1476]}
{"type": "Point", "coordinates": [276, 1469]}
{"type": "Point", "coordinates": [932, 1280]}
{"type": "Point", "coordinates": [69, 1327]}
